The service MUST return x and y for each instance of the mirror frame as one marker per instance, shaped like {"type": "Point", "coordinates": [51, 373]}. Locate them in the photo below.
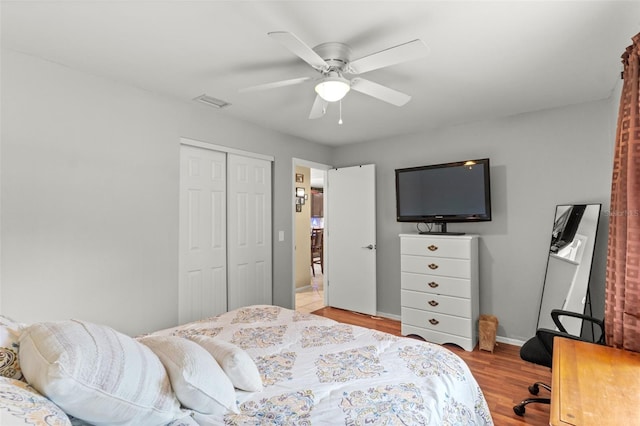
{"type": "Point", "coordinates": [561, 263]}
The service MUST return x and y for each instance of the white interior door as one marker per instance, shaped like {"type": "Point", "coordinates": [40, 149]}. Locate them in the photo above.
{"type": "Point", "coordinates": [249, 227]}
{"type": "Point", "coordinates": [202, 259]}
{"type": "Point", "coordinates": [351, 238]}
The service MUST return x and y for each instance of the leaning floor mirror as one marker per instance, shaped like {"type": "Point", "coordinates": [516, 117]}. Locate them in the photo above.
{"type": "Point", "coordinates": [566, 282]}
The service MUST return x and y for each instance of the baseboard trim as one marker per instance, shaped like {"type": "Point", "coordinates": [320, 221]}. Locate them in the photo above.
{"type": "Point", "coordinates": [509, 341]}
{"type": "Point", "coordinates": [501, 339]}
{"type": "Point", "coordinates": [390, 316]}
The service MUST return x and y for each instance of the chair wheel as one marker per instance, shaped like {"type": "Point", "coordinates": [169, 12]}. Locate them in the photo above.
{"type": "Point", "coordinates": [534, 389]}
{"type": "Point", "coordinates": [519, 409]}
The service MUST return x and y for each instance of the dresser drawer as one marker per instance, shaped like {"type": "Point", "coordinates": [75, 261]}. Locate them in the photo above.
{"type": "Point", "coordinates": [466, 343]}
{"type": "Point", "coordinates": [433, 284]}
{"type": "Point", "coordinates": [437, 247]}
{"type": "Point", "coordinates": [458, 268]}
{"type": "Point", "coordinates": [438, 322]}
{"type": "Point", "coordinates": [455, 306]}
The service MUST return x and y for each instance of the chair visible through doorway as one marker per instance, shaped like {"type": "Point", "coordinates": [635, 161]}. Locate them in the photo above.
{"type": "Point", "coordinates": [317, 252]}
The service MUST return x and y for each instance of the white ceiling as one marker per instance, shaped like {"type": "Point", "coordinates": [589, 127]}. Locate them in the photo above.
{"type": "Point", "coordinates": [486, 60]}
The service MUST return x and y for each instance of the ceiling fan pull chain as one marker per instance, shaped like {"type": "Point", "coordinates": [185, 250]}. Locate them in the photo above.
{"type": "Point", "coordinates": [340, 120]}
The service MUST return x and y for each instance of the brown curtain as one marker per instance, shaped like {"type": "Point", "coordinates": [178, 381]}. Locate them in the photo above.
{"type": "Point", "coordinates": [622, 305]}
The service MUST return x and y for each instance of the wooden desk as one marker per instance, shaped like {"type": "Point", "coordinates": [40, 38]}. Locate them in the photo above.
{"type": "Point", "coordinates": [594, 385]}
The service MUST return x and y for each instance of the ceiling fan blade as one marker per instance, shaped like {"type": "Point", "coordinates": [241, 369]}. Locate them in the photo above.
{"type": "Point", "coordinates": [299, 48]}
{"type": "Point", "coordinates": [275, 84]}
{"type": "Point", "coordinates": [394, 55]}
{"type": "Point", "coordinates": [379, 91]}
{"type": "Point", "coordinates": [319, 108]}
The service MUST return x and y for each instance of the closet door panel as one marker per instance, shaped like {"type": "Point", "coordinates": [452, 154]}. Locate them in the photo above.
{"type": "Point", "coordinates": [202, 286]}
{"type": "Point", "coordinates": [249, 231]}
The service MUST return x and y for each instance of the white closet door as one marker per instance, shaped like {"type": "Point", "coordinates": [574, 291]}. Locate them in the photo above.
{"type": "Point", "coordinates": [202, 260]}
{"type": "Point", "coordinates": [249, 227]}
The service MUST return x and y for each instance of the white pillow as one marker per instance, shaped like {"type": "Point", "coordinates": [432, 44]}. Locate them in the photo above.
{"type": "Point", "coordinates": [197, 379]}
{"type": "Point", "coordinates": [96, 374]}
{"type": "Point", "coordinates": [235, 361]}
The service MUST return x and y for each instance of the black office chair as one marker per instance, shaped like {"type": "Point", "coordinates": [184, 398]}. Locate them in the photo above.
{"type": "Point", "coordinates": [539, 350]}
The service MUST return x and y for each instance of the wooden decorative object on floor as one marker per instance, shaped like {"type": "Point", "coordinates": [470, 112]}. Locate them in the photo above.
{"type": "Point", "coordinates": [488, 326]}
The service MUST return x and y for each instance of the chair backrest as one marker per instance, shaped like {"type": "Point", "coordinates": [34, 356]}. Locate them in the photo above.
{"type": "Point", "coordinates": [598, 334]}
{"type": "Point", "coordinates": [316, 239]}
{"type": "Point", "coordinates": [546, 336]}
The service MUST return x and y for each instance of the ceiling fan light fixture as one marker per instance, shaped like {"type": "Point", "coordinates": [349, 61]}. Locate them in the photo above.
{"type": "Point", "coordinates": [333, 88]}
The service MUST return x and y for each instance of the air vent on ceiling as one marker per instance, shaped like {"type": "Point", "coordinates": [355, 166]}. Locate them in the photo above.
{"type": "Point", "coordinates": [211, 101]}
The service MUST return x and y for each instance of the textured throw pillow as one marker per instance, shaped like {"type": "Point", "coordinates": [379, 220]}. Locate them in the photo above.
{"type": "Point", "coordinates": [20, 404]}
{"type": "Point", "coordinates": [97, 374]}
{"type": "Point", "coordinates": [9, 344]}
{"type": "Point", "coordinates": [197, 379]}
{"type": "Point", "coordinates": [235, 362]}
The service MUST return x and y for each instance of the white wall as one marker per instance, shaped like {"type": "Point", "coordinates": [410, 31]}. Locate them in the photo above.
{"type": "Point", "coordinates": [538, 160]}
{"type": "Point", "coordinates": [89, 196]}
{"type": "Point", "coordinates": [89, 173]}
{"type": "Point", "coordinates": [302, 223]}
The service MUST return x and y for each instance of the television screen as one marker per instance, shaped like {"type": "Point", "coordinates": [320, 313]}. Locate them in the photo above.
{"type": "Point", "coordinates": [451, 192]}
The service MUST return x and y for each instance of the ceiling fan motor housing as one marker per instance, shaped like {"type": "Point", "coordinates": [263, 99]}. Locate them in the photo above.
{"type": "Point", "coordinates": [336, 54]}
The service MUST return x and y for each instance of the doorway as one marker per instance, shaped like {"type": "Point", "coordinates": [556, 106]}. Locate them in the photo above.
{"type": "Point", "coordinates": [309, 270]}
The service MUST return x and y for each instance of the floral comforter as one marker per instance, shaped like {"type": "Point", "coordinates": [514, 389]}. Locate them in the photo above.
{"type": "Point", "coordinates": [316, 371]}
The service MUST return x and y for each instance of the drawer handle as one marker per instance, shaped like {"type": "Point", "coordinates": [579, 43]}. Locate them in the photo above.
{"type": "Point", "coordinates": [432, 247]}
{"type": "Point", "coordinates": [433, 303]}
{"type": "Point", "coordinates": [433, 266]}
{"type": "Point", "coordinates": [433, 284]}
{"type": "Point", "coordinates": [434, 321]}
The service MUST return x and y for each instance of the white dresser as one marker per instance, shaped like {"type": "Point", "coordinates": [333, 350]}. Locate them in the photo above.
{"type": "Point", "coordinates": [439, 284]}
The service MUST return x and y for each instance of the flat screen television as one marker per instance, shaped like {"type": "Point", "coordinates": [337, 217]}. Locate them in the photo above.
{"type": "Point", "coordinates": [441, 193]}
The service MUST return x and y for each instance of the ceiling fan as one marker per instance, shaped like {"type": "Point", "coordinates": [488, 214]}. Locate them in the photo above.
{"type": "Point", "coordinates": [338, 72]}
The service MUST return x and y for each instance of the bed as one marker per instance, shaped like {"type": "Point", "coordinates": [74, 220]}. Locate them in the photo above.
{"type": "Point", "coordinates": [316, 371]}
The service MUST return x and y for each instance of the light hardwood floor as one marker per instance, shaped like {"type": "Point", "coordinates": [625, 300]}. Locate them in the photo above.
{"type": "Point", "coordinates": [503, 377]}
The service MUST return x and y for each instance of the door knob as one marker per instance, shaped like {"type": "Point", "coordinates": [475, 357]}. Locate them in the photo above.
{"type": "Point", "coordinates": [370, 247]}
